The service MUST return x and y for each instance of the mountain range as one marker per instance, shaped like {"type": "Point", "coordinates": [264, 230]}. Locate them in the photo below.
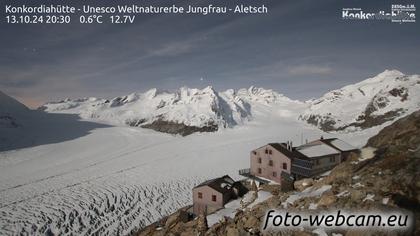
{"type": "Point", "coordinates": [184, 111]}
{"type": "Point", "coordinates": [371, 102]}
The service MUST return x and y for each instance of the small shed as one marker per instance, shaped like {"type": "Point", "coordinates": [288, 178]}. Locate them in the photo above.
{"type": "Point", "coordinates": [213, 194]}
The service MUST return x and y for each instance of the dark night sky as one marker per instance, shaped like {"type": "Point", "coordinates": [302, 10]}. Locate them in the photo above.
{"type": "Point", "coordinates": [300, 49]}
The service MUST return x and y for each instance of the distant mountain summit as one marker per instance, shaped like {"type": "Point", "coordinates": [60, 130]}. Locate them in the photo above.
{"type": "Point", "coordinates": [9, 105]}
{"type": "Point", "coordinates": [371, 102]}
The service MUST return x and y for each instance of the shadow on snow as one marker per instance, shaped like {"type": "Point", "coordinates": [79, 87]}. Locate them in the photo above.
{"type": "Point", "coordinates": [39, 128]}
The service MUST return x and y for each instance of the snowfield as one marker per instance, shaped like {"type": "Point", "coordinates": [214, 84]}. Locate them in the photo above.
{"type": "Point", "coordinates": [116, 179]}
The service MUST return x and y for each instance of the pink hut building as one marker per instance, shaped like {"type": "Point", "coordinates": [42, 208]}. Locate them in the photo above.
{"type": "Point", "coordinates": [271, 161]}
{"type": "Point", "coordinates": [283, 163]}
{"type": "Point", "coordinates": [213, 194]}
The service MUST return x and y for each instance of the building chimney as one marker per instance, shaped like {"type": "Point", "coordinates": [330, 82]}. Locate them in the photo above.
{"type": "Point", "coordinates": [291, 145]}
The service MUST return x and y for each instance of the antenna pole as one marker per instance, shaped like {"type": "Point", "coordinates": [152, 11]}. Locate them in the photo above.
{"type": "Point", "coordinates": [301, 138]}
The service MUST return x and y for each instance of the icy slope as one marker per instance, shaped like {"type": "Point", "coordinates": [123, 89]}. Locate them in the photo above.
{"type": "Point", "coordinates": [21, 127]}
{"type": "Point", "coordinates": [11, 111]}
{"type": "Point", "coordinates": [183, 112]}
{"type": "Point", "coordinates": [372, 102]}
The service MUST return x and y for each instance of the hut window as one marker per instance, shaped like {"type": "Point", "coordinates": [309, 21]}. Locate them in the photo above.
{"type": "Point", "coordinates": [200, 195]}
{"type": "Point", "coordinates": [284, 166]}
{"type": "Point", "coordinates": [270, 152]}
{"type": "Point", "coordinates": [270, 162]}
{"type": "Point", "coordinates": [266, 151]}
{"type": "Point", "coordinates": [259, 170]}
{"type": "Point", "coordinates": [274, 174]}
{"type": "Point", "coordinates": [254, 152]}
{"type": "Point", "coordinates": [213, 198]}
{"type": "Point", "coordinates": [259, 160]}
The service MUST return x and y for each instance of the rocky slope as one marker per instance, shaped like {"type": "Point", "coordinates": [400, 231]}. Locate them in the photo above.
{"type": "Point", "coordinates": [388, 179]}
{"type": "Point", "coordinates": [184, 111]}
{"type": "Point", "coordinates": [374, 101]}
{"type": "Point", "coordinates": [400, 137]}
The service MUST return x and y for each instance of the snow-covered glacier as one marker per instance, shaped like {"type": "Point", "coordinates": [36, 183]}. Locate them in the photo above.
{"type": "Point", "coordinates": [114, 179]}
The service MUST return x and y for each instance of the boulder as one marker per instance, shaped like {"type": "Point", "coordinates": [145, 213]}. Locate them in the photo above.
{"type": "Point", "coordinates": [327, 199]}
{"type": "Point", "coordinates": [357, 195]}
{"type": "Point", "coordinates": [302, 184]}
{"type": "Point", "coordinates": [232, 231]}
{"type": "Point", "coordinates": [253, 186]}
{"type": "Point", "coordinates": [251, 222]}
{"type": "Point", "coordinates": [341, 174]}
{"type": "Point", "coordinates": [363, 232]}
{"type": "Point", "coordinates": [202, 225]}
{"type": "Point", "coordinates": [172, 219]}
{"type": "Point", "coordinates": [188, 233]}
{"type": "Point", "coordinates": [302, 233]}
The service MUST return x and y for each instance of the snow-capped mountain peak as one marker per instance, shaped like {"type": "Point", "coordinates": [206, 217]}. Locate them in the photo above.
{"type": "Point", "coordinates": [262, 95]}
{"type": "Point", "coordinates": [368, 103]}
{"type": "Point", "coordinates": [389, 74]}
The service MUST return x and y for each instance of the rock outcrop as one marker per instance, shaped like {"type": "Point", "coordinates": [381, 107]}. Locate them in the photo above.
{"type": "Point", "coordinates": [172, 127]}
